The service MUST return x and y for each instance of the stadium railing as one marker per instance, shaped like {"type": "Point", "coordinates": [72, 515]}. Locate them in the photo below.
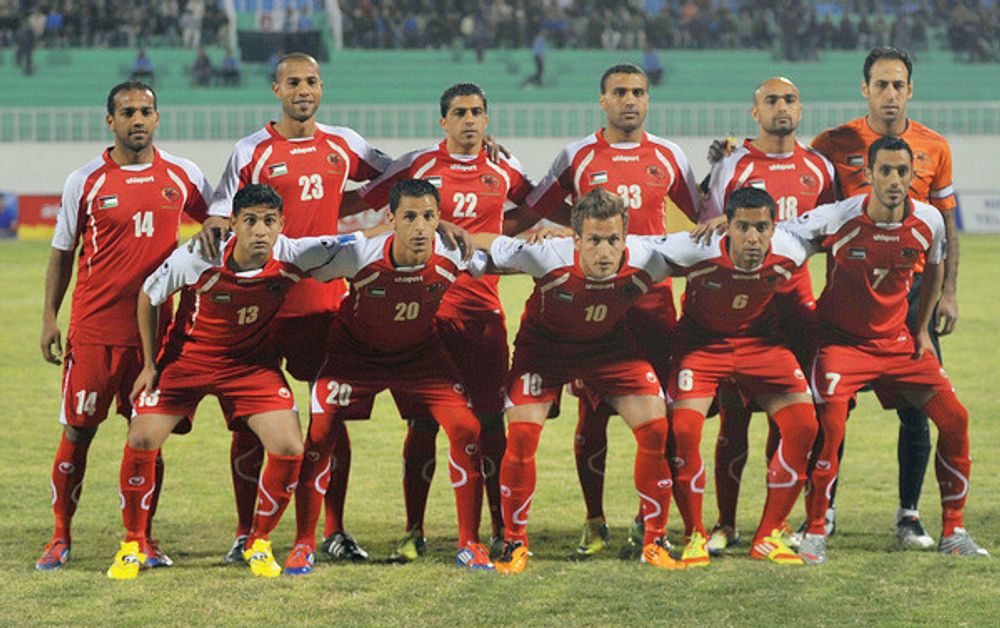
{"type": "Point", "coordinates": [82, 124]}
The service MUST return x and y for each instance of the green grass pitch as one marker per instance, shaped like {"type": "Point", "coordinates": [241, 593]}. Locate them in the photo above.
{"type": "Point", "coordinates": [866, 580]}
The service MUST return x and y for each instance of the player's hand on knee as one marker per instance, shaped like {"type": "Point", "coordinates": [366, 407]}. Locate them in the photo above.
{"type": "Point", "coordinates": [51, 342]}
{"type": "Point", "coordinates": [145, 382]}
{"type": "Point", "coordinates": [704, 231]}
{"type": "Point", "coordinates": [922, 344]}
{"type": "Point", "coordinates": [947, 314]}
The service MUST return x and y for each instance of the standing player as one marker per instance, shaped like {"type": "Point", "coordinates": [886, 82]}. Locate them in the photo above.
{"type": "Point", "coordinates": [873, 242]}
{"type": "Point", "coordinates": [799, 179]}
{"type": "Point", "coordinates": [888, 88]}
{"type": "Point", "coordinates": [309, 165]}
{"type": "Point", "coordinates": [384, 337]}
{"type": "Point", "coordinates": [123, 209]}
{"type": "Point", "coordinates": [648, 172]}
{"type": "Point", "coordinates": [574, 326]}
{"type": "Point", "coordinates": [729, 332]}
{"type": "Point", "coordinates": [479, 196]}
{"type": "Point", "coordinates": [219, 344]}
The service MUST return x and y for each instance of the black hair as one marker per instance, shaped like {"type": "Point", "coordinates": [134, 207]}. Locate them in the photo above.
{"type": "Point", "coordinates": [460, 89]}
{"type": "Point", "coordinates": [887, 142]}
{"type": "Point", "coordinates": [621, 68]}
{"type": "Point", "coordinates": [887, 52]}
{"type": "Point", "coordinates": [257, 194]}
{"type": "Point", "coordinates": [599, 204]}
{"type": "Point", "coordinates": [750, 198]}
{"type": "Point", "coordinates": [413, 188]}
{"type": "Point", "coordinates": [128, 86]}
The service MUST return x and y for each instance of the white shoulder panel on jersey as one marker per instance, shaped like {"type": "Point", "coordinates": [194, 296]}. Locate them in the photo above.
{"type": "Point", "coordinates": [360, 146]}
{"type": "Point", "coordinates": [401, 163]}
{"type": "Point", "coordinates": [563, 162]}
{"type": "Point", "coordinates": [787, 244]}
{"type": "Point", "coordinates": [722, 173]}
{"type": "Point", "coordinates": [183, 268]}
{"type": "Point", "coordinates": [937, 249]}
{"type": "Point", "coordinates": [682, 251]}
{"type": "Point", "coordinates": [351, 256]}
{"type": "Point", "coordinates": [824, 220]}
{"type": "Point", "coordinates": [643, 254]}
{"type": "Point", "coordinates": [475, 266]}
{"type": "Point", "coordinates": [537, 259]}
{"type": "Point", "coordinates": [312, 252]}
{"type": "Point", "coordinates": [193, 174]}
{"type": "Point", "coordinates": [67, 227]}
{"type": "Point", "coordinates": [229, 184]}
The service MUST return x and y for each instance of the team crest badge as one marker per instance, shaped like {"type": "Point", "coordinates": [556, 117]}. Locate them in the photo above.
{"type": "Point", "coordinates": [656, 172]}
{"type": "Point", "coordinates": [810, 183]}
{"type": "Point", "coordinates": [489, 181]}
{"type": "Point", "coordinates": [333, 158]}
{"type": "Point", "coordinates": [170, 193]}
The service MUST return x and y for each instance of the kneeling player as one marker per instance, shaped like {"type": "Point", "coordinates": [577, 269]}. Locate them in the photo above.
{"type": "Point", "coordinates": [574, 328]}
{"type": "Point", "coordinates": [729, 334]}
{"type": "Point", "coordinates": [218, 344]}
{"type": "Point", "coordinates": [873, 242]}
{"type": "Point", "coordinates": [383, 338]}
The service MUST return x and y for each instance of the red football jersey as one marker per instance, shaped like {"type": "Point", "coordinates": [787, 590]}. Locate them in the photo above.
{"type": "Point", "coordinates": [568, 307]}
{"type": "Point", "coordinates": [475, 194]}
{"type": "Point", "coordinates": [389, 313]}
{"type": "Point", "coordinates": [723, 300]}
{"type": "Point", "coordinates": [870, 265]}
{"type": "Point", "coordinates": [224, 314]}
{"type": "Point", "coordinates": [646, 174]}
{"type": "Point", "coordinates": [310, 174]}
{"type": "Point", "coordinates": [126, 219]}
{"type": "Point", "coordinates": [798, 181]}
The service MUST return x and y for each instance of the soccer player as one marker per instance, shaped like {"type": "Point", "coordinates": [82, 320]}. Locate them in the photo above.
{"type": "Point", "coordinates": [729, 332]}
{"type": "Point", "coordinates": [798, 178]}
{"type": "Point", "coordinates": [873, 243]}
{"type": "Point", "coordinates": [122, 210]}
{"type": "Point", "coordinates": [650, 174]}
{"type": "Point", "coordinates": [219, 345]}
{"type": "Point", "coordinates": [574, 326]}
{"type": "Point", "coordinates": [888, 88]}
{"type": "Point", "coordinates": [309, 164]}
{"type": "Point", "coordinates": [384, 338]}
{"type": "Point", "coordinates": [479, 195]}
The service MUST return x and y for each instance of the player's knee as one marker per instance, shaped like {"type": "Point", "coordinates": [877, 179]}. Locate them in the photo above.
{"type": "Point", "coordinates": [286, 447]}
{"type": "Point", "coordinates": [522, 441]}
{"type": "Point", "coordinates": [79, 435]}
{"type": "Point", "coordinates": [143, 440]}
{"type": "Point", "coordinates": [652, 435]}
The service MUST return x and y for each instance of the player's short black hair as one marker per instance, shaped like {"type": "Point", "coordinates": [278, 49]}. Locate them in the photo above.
{"type": "Point", "coordinates": [887, 52]}
{"type": "Point", "coordinates": [460, 89]}
{"type": "Point", "coordinates": [887, 142]}
{"type": "Point", "coordinates": [128, 86]}
{"type": "Point", "coordinates": [293, 56]}
{"type": "Point", "coordinates": [414, 188]}
{"type": "Point", "coordinates": [599, 204]}
{"type": "Point", "coordinates": [750, 198]}
{"type": "Point", "coordinates": [621, 68]}
{"type": "Point", "coordinates": [257, 194]}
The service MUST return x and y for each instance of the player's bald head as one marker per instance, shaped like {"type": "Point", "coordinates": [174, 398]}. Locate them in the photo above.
{"type": "Point", "coordinates": [294, 58]}
{"type": "Point", "coordinates": [778, 84]}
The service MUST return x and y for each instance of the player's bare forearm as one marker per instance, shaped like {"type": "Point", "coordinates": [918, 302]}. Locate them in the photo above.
{"type": "Point", "coordinates": [930, 292]}
{"type": "Point", "coordinates": [947, 308]}
{"type": "Point", "coordinates": [519, 220]}
{"type": "Point", "coordinates": [562, 215]}
{"type": "Point", "coordinates": [57, 278]}
{"type": "Point", "coordinates": [483, 241]}
{"type": "Point", "coordinates": [148, 317]}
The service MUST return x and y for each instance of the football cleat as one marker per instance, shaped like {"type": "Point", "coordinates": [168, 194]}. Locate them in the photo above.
{"type": "Point", "coordinates": [831, 522]}
{"type": "Point", "coordinates": [155, 557]}
{"type": "Point", "coordinates": [829, 527]}
{"type": "Point", "coordinates": [773, 548]}
{"type": "Point", "coordinates": [637, 533]}
{"type": "Point", "coordinates": [342, 546]}
{"type": "Point", "coordinates": [474, 556]}
{"type": "Point", "coordinates": [657, 554]}
{"type": "Point", "coordinates": [54, 556]}
{"type": "Point", "coordinates": [594, 539]}
{"type": "Point", "coordinates": [813, 549]}
{"type": "Point", "coordinates": [410, 547]}
{"type": "Point", "coordinates": [514, 558]}
{"type": "Point", "coordinates": [260, 558]}
{"type": "Point", "coordinates": [127, 562]}
{"type": "Point", "coordinates": [910, 532]}
{"type": "Point", "coordinates": [959, 543]}
{"type": "Point", "coordinates": [722, 537]}
{"type": "Point", "coordinates": [235, 554]}
{"type": "Point", "coordinates": [695, 554]}
{"type": "Point", "coordinates": [299, 561]}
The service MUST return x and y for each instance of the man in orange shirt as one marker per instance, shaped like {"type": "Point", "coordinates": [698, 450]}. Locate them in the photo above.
{"type": "Point", "coordinates": [888, 88]}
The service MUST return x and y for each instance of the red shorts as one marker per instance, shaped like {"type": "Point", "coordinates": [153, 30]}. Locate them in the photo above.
{"type": "Point", "coordinates": [539, 373]}
{"type": "Point", "coordinates": [302, 342]}
{"type": "Point", "coordinates": [94, 375]}
{"type": "Point", "coordinates": [477, 343]}
{"type": "Point", "coordinates": [348, 383]}
{"type": "Point", "coordinates": [757, 366]}
{"type": "Point", "coordinates": [242, 389]}
{"type": "Point", "coordinates": [840, 370]}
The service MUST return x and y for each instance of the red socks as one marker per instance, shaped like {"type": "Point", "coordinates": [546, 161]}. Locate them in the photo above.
{"type": "Point", "coordinates": [688, 467]}
{"type": "Point", "coordinates": [591, 451]}
{"type": "Point", "coordinates": [314, 477]}
{"type": "Point", "coordinates": [137, 483]}
{"type": "Point", "coordinates": [492, 446]}
{"type": "Point", "coordinates": [419, 464]}
{"type": "Point", "coordinates": [517, 478]}
{"type": "Point", "coordinates": [464, 462]}
{"type": "Point", "coordinates": [277, 483]}
{"type": "Point", "coordinates": [730, 458]}
{"type": "Point", "coordinates": [786, 473]}
{"type": "Point", "coordinates": [826, 464]}
{"type": "Point", "coordinates": [340, 472]}
{"type": "Point", "coordinates": [652, 476]}
{"type": "Point", "coordinates": [68, 470]}
{"type": "Point", "coordinates": [952, 463]}
{"type": "Point", "coordinates": [246, 456]}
